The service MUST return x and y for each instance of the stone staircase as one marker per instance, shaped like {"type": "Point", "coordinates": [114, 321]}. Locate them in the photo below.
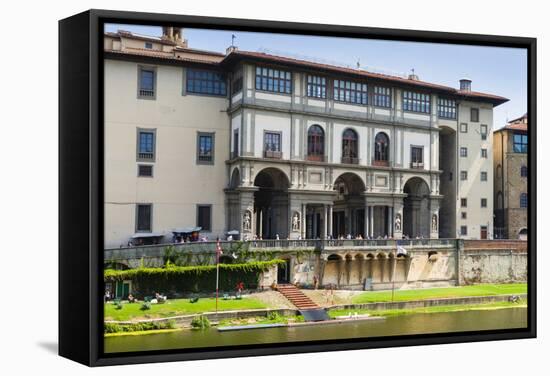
{"type": "Point", "coordinates": [296, 297]}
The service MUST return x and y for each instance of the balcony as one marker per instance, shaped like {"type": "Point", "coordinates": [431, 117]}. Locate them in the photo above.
{"type": "Point", "coordinates": [144, 93]}
{"type": "Point", "coordinates": [350, 160]}
{"type": "Point", "coordinates": [146, 156]}
{"type": "Point", "coordinates": [273, 154]}
{"type": "Point", "coordinates": [417, 165]}
{"type": "Point", "coordinates": [316, 158]}
{"type": "Point", "coordinates": [380, 163]}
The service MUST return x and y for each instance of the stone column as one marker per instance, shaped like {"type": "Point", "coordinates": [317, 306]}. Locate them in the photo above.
{"type": "Point", "coordinates": [304, 224]}
{"type": "Point", "coordinates": [324, 231]}
{"type": "Point", "coordinates": [366, 222]}
{"type": "Point", "coordinates": [330, 220]}
{"type": "Point", "coordinates": [371, 222]}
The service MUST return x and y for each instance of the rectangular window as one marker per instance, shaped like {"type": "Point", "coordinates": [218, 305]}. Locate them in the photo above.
{"type": "Point", "coordinates": [463, 128]}
{"type": "Point", "coordinates": [382, 96]}
{"type": "Point", "coordinates": [520, 143]}
{"type": "Point", "coordinates": [204, 217]}
{"type": "Point", "coordinates": [483, 176]}
{"type": "Point", "coordinates": [446, 108]}
{"type": "Point", "coordinates": [463, 202]}
{"type": "Point", "coordinates": [237, 83]}
{"type": "Point", "coordinates": [483, 202]}
{"type": "Point", "coordinates": [272, 145]}
{"type": "Point", "coordinates": [463, 215]}
{"type": "Point", "coordinates": [463, 175]}
{"type": "Point", "coordinates": [474, 115]}
{"type": "Point", "coordinates": [350, 92]}
{"type": "Point", "coordinates": [483, 153]}
{"type": "Point", "coordinates": [144, 221]}
{"type": "Point", "coordinates": [274, 80]}
{"type": "Point", "coordinates": [463, 152]}
{"type": "Point", "coordinates": [206, 82]}
{"type": "Point", "coordinates": [205, 148]}
{"type": "Point", "coordinates": [147, 83]}
{"type": "Point", "coordinates": [416, 102]}
{"type": "Point", "coordinates": [235, 144]}
{"type": "Point", "coordinates": [483, 131]}
{"type": "Point", "coordinates": [316, 87]}
{"type": "Point", "coordinates": [146, 145]}
{"type": "Point", "coordinates": [148, 45]}
{"type": "Point", "coordinates": [417, 157]}
{"type": "Point", "coordinates": [145, 170]}
{"type": "Point", "coordinates": [463, 230]}
{"type": "Point", "coordinates": [523, 200]}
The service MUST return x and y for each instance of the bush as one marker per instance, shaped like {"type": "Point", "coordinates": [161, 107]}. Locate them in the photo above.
{"type": "Point", "coordinates": [191, 278]}
{"type": "Point", "coordinates": [138, 327]}
{"type": "Point", "coordinates": [274, 316]}
{"type": "Point", "coordinates": [145, 306]}
{"type": "Point", "coordinates": [200, 322]}
{"type": "Point", "coordinates": [118, 305]}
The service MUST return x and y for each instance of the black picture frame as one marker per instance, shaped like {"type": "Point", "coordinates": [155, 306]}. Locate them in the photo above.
{"type": "Point", "coordinates": [81, 185]}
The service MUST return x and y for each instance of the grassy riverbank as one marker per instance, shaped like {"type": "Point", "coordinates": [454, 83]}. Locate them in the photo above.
{"type": "Point", "coordinates": [271, 318]}
{"type": "Point", "coordinates": [178, 307]}
{"type": "Point", "coordinates": [439, 293]}
{"type": "Point", "coordinates": [433, 309]}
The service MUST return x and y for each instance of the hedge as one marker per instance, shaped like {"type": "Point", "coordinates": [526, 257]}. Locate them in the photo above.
{"type": "Point", "coordinates": [185, 279]}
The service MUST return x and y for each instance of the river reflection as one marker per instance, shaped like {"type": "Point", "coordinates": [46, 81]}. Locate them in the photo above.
{"type": "Point", "coordinates": [397, 325]}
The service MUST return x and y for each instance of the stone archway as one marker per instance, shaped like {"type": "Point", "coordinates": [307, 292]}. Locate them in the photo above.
{"type": "Point", "coordinates": [349, 206]}
{"type": "Point", "coordinates": [416, 208]}
{"type": "Point", "coordinates": [271, 204]}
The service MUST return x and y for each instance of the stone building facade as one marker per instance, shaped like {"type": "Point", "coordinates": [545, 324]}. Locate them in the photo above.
{"type": "Point", "coordinates": [511, 175]}
{"type": "Point", "coordinates": [275, 147]}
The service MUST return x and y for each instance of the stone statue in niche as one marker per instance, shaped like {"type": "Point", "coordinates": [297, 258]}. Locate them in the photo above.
{"type": "Point", "coordinates": [434, 223]}
{"type": "Point", "coordinates": [296, 221]}
{"type": "Point", "coordinates": [397, 225]}
{"type": "Point", "coordinates": [247, 221]}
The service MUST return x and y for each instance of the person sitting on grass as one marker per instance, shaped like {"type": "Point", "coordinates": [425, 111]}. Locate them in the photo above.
{"type": "Point", "coordinates": [131, 299]}
{"type": "Point", "coordinates": [160, 298]}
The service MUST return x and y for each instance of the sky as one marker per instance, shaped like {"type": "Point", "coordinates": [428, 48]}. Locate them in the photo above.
{"type": "Point", "coordinates": [495, 70]}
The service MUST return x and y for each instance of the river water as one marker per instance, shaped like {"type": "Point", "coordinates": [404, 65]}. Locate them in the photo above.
{"type": "Point", "coordinates": [398, 325]}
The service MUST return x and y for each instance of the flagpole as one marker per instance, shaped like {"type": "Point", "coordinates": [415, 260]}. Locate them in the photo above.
{"type": "Point", "coordinates": [217, 273]}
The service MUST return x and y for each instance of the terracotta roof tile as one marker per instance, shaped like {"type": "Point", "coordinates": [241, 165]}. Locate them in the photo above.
{"type": "Point", "coordinates": [159, 55]}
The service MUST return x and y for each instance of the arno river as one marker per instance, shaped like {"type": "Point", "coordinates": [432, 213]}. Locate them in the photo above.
{"type": "Point", "coordinates": [397, 325]}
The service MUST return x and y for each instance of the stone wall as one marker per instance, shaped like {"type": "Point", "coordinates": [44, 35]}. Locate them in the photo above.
{"type": "Point", "coordinates": [493, 262]}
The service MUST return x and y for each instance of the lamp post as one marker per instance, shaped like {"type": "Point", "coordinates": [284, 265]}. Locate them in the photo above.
{"type": "Point", "coordinates": [218, 252]}
{"type": "Point", "coordinates": [400, 251]}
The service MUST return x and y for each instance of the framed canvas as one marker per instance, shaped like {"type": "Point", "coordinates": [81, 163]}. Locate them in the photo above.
{"type": "Point", "coordinates": [239, 187]}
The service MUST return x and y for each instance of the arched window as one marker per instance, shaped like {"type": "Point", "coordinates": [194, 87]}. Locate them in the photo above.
{"type": "Point", "coordinates": [523, 171]}
{"type": "Point", "coordinates": [381, 149]}
{"type": "Point", "coordinates": [499, 171]}
{"type": "Point", "coordinates": [349, 147]}
{"type": "Point", "coordinates": [315, 143]}
{"type": "Point", "coordinates": [523, 200]}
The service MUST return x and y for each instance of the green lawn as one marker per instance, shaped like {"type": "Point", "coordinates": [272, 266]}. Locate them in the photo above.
{"type": "Point", "coordinates": [176, 307]}
{"type": "Point", "coordinates": [442, 292]}
{"type": "Point", "coordinates": [434, 309]}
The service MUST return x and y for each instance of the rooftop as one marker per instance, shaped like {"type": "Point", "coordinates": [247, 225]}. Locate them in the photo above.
{"type": "Point", "coordinates": [235, 56]}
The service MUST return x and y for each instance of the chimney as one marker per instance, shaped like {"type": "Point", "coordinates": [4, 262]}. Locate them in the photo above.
{"type": "Point", "coordinates": [465, 85]}
{"type": "Point", "coordinates": [174, 34]}
{"type": "Point", "coordinates": [413, 76]}
{"type": "Point", "coordinates": [231, 49]}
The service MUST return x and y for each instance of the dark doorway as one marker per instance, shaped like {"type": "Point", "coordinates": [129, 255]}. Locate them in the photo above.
{"type": "Point", "coordinates": [283, 272]}
{"type": "Point", "coordinates": [483, 234]}
{"type": "Point", "coordinates": [271, 204]}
